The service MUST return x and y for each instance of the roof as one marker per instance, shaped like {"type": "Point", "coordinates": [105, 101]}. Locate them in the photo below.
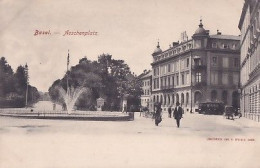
{"type": "Point", "coordinates": [226, 37]}
{"type": "Point", "coordinates": [148, 74]}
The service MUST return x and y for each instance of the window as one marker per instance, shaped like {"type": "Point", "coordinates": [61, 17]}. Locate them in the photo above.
{"type": "Point", "coordinates": [214, 45]}
{"type": "Point", "coordinates": [177, 66]}
{"type": "Point", "coordinates": [172, 80]}
{"type": "Point", "coordinates": [225, 62]}
{"type": "Point", "coordinates": [182, 79]}
{"type": "Point", "coordinates": [177, 78]}
{"type": "Point", "coordinates": [169, 67]}
{"type": "Point", "coordinates": [214, 78]}
{"type": "Point", "coordinates": [214, 60]}
{"type": "Point", "coordinates": [234, 46]}
{"type": "Point", "coordinates": [182, 64]}
{"type": "Point", "coordinates": [235, 78]}
{"type": "Point", "coordinates": [198, 77]}
{"type": "Point", "coordinates": [236, 62]}
{"type": "Point", "coordinates": [225, 46]}
{"type": "Point", "coordinates": [187, 62]}
{"type": "Point", "coordinates": [197, 61]}
{"type": "Point", "coordinates": [169, 81]}
{"type": "Point", "coordinates": [224, 78]}
{"type": "Point", "coordinates": [187, 78]}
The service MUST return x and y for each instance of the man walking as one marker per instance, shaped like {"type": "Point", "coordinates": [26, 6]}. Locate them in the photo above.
{"type": "Point", "coordinates": [178, 113]}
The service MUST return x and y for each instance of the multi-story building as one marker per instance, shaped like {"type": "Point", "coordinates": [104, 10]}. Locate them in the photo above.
{"type": "Point", "coordinates": [146, 80]}
{"type": "Point", "coordinates": [203, 68]}
{"type": "Point", "coordinates": [249, 26]}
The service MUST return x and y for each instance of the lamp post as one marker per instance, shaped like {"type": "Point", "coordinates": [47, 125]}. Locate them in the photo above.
{"type": "Point", "coordinates": [27, 79]}
{"type": "Point", "coordinates": [191, 83]}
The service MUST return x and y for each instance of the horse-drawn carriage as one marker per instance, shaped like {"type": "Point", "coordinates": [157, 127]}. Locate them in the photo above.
{"type": "Point", "coordinates": [231, 112]}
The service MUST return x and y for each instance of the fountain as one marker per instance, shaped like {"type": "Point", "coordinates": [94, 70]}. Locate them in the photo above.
{"type": "Point", "coordinates": [70, 97]}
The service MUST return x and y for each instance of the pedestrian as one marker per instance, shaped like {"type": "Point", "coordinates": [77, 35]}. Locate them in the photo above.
{"type": "Point", "coordinates": [158, 114]}
{"type": "Point", "coordinates": [178, 113]}
{"type": "Point", "coordinates": [170, 112]}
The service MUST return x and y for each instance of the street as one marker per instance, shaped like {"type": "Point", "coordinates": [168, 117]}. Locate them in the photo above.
{"type": "Point", "coordinates": [201, 141]}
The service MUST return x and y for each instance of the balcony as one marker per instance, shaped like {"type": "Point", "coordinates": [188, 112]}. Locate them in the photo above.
{"type": "Point", "coordinates": [199, 84]}
{"type": "Point", "coordinates": [167, 87]}
{"type": "Point", "coordinates": [199, 67]}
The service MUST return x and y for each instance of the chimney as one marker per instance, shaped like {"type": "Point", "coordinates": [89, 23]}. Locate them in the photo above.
{"type": "Point", "coordinates": [175, 44]}
{"type": "Point", "coordinates": [218, 32]}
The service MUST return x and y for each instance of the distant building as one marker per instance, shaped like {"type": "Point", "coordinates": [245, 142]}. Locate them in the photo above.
{"type": "Point", "coordinates": [249, 26]}
{"type": "Point", "coordinates": [146, 83]}
{"type": "Point", "coordinates": [203, 68]}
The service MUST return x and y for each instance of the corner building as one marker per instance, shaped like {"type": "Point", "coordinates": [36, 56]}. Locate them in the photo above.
{"type": "Point", "coordinates": [203, 68]}
{"type": "Point", "coordinates": [249, 26]}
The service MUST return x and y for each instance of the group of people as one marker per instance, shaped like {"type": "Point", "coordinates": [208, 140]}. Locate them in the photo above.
{"type": "Point", "coordinates": [177, 113]}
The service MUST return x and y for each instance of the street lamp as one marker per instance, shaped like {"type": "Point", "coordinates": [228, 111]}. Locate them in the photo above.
{"type": "Point", "coordinates": [27, 80]}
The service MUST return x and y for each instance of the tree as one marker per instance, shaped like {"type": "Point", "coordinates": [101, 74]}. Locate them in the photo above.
{"type": "Point", "coordinates": [106, 78]}
{"type": "Point", "coordinates": [13, 86]}
{"type": "Point", "coordinates": [6, 78]}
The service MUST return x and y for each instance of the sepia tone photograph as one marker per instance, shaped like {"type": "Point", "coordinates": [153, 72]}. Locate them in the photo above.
{"type": "Point", "coordinates": [132, 84]}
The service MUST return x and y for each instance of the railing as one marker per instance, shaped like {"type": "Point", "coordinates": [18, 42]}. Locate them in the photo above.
{"type": "Point", "coordinates": [199, 84]}
{"type": "Point", "coordinates": [199, 67]}
{"type": "Point", "coordinates": [167, 87]}
{"type": "Point", "coordinates": [44, 113]}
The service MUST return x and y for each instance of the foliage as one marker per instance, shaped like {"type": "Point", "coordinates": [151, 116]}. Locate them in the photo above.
{"type": "Point", "coordinates": [107, 78]}
{"type": "Point", "coordinates": [13, 86]}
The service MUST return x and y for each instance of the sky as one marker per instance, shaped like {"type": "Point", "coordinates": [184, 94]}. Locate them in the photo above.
{"type": "Point", "coordinates": [127, 30]}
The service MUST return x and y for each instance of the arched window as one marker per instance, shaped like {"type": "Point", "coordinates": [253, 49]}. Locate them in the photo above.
{"type": "Point", "coordinates": [224, 97]}
{"type": "Point", "coordinates": [187, 99]}
{"type": "Point", "coordinates": [235, 99]}
{"type": "Point", "coordinates": [182, 99]}
{"type": "Point", "coordinates": [177, 98]}
{"type": "Point", "coordinates": [197, 97]}
{"type": "Point", "coordinates": [213, 95]}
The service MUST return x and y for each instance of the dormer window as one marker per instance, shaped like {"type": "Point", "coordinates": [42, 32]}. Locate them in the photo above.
{"type": "Point", "coordinates": [225, 46]}
{"type": "Point", "coordinates": [234, 46]}
{"type": "Point", "coordinates": [214, 45]}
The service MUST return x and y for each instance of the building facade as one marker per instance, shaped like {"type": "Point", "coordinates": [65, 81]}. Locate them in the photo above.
{"type": "Point", "coordinates": [249, 26]}
{"type": "Point", "coordinates": [146, 80]}
{"type": "Point", "coordinates": [203, 68]}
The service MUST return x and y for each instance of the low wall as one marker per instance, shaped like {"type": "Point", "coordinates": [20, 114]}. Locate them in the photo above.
{"type": "Point", "coordinates": [63, 115]}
